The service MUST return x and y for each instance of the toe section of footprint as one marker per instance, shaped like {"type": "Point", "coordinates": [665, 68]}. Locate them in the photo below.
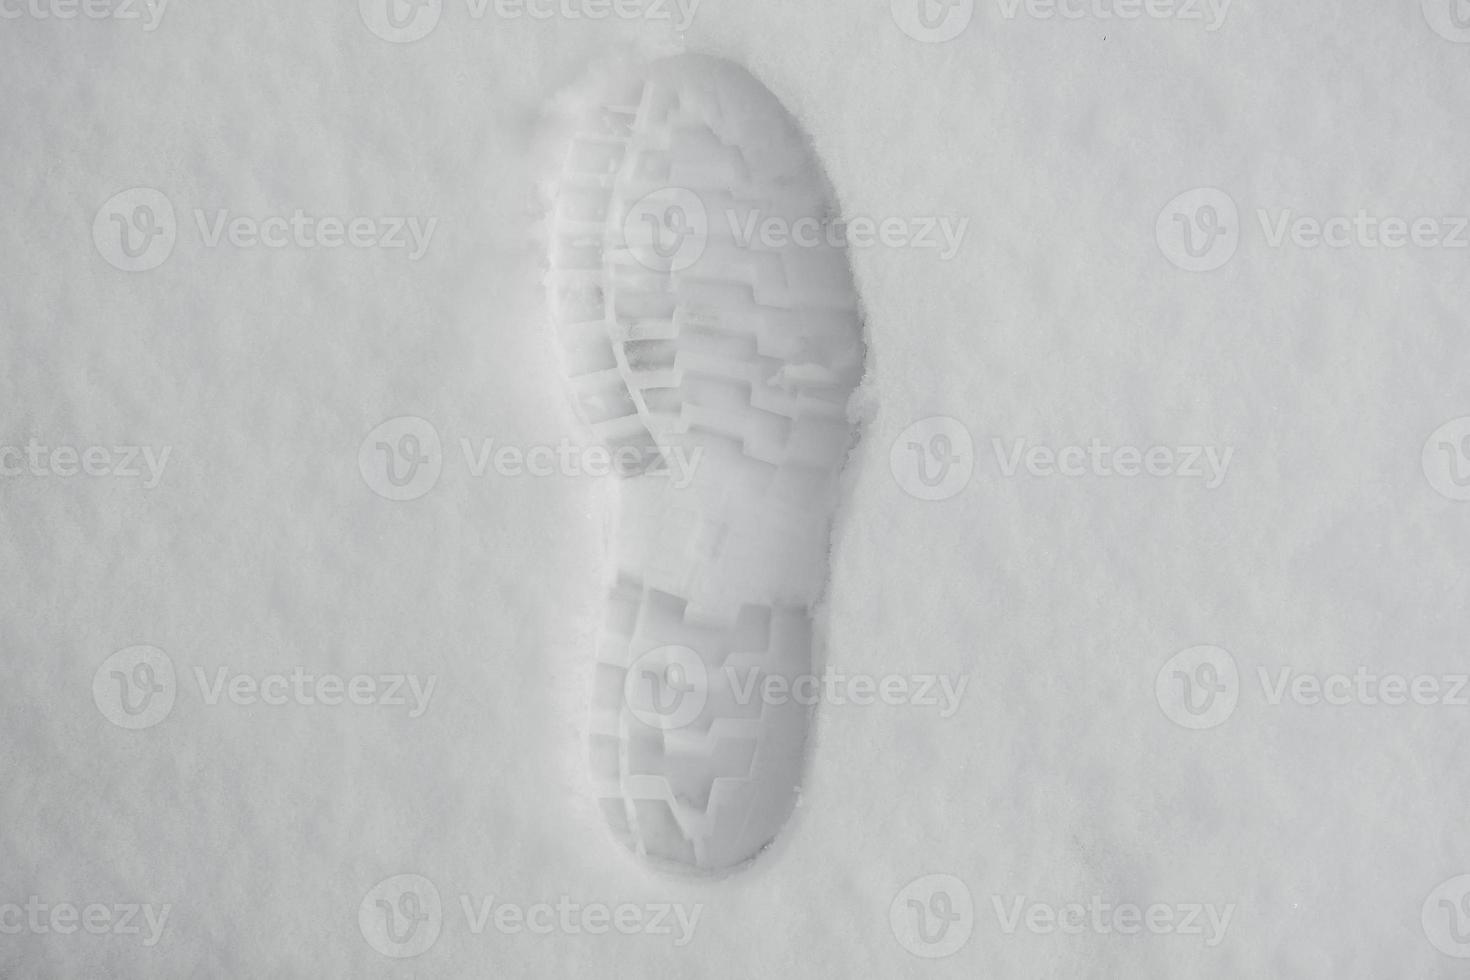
{"type": "Point", "coordinates": [712, 338]}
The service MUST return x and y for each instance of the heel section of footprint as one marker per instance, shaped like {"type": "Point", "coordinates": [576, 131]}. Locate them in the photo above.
{"type": "Point", "coordinates": [718, 364]}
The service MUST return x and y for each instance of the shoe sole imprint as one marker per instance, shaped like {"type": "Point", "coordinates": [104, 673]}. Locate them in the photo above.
{"type": "Point", "coordinates": [685, 339]}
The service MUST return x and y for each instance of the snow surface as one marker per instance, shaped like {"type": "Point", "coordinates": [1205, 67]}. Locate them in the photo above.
{"type": "Point", "coordinates": [263, 548]}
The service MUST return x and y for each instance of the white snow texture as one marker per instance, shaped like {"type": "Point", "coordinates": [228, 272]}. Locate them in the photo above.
{"type": "Point", "coordinates": [1142, 648]}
